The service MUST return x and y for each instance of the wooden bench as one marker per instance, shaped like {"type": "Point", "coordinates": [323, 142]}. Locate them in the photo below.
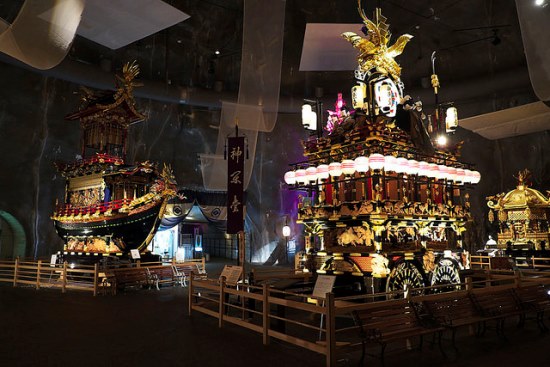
{"type": "Point", "coordinates": [534, 299]}
{"type": "Point", "coordinates": [388, 321]}
{"type": "Point", "coordinates": [497, 303]}
{"type": "Point", "coordinates": [161, 275]}
{"type": "Point", "coordinates": [129, 277]}
{"type": "Point", "coordinates": [451, 310]}
{"type": "Point", "coordinates": [184, 271]}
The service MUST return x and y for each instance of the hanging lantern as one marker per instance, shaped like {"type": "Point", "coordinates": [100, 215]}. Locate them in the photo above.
{"type": "Point", "coordinates": [468, 176]}
{"type": "Point", "coordinates": [433, 171]}
{"type": "Point", "coordinates": [348, 167]}
{"type": "Point", "coordinates": [322, 172]}
{"type": "Point", "coordinates": [290, 178]}
{"type": "Point", "coordinates": [390, 163]}
{"type": "Point", "coordinates": [413, 167]}
{"type": "Point", "coordinates": [423, 168]}
{"type": "Point", "coordinates": [451, 119]}
{"type": "Point", "coordinates": [476, 177]}
{"type": "Point", "coordinates": [309, 117]}
{"type": "Point", "coordinates": [361, 164]}
{"type": "Point", "coordinates": [402, 165]}
{"type": "Point", "coordinates": [443, 172]}
{"type": "Point", "coordinates": [335, 169]}
{"type": "Point", "coordinates": [376, 161]}
{"type": "Point", "coordinates": [311, 174]}
{"type": "Point", "coordinates": [460, 175]}
{"type": "Point", "coordinates": [358, 93]}
{"type": "Point", "coordinates": [451, 174]}
{"type": "Point", "coordinates": [301, 176]}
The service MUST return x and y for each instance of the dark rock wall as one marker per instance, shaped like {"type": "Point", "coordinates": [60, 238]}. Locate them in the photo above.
{"type": "Point", "coordinates": [34, 134]}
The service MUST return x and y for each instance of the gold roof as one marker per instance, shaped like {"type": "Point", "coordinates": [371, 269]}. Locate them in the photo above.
{"type": "Point", "coordinates": [521, 197]}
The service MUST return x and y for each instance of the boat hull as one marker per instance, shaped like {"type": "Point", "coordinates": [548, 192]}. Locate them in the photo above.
{"type": "Point", "coordinates": [134, 229]}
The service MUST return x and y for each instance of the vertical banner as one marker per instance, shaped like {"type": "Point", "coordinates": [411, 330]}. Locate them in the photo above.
{"type": "Point", "coordinates": [235, 174]}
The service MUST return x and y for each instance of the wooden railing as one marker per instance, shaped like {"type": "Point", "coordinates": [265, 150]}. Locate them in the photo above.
{"type": "Point", "coordinates": [484, 262]}
{"type": "Point", "coordinates": [291, 318]}
{"type": "Point", "coordinates": [45, 275]}
{"type": "Point", "coordinates": [42, 274]}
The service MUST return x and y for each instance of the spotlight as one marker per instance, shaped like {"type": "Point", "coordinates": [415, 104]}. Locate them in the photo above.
{"type": "Point", "coordinates": [217, 52]}
{"type": "Point", "coordinates": [442, 140]}
{"type": "Point", "coordinates": [540, 2]}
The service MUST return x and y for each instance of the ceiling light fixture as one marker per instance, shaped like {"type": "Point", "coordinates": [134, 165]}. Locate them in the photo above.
{"type": "Point", "coordinates": [540, 2]}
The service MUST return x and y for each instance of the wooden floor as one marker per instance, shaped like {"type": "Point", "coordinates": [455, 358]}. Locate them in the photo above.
{"type": "Point", "coordinates": [151, 328]}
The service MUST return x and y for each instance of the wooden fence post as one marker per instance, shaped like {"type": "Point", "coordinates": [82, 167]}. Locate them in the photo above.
{"type": "Point", "coordinates": [190, 295]}
{"type": "Point", "coordinates": [265, 314]}
{"type": "Point", "coordinates": [330, 328]}
{"type": "Point", "coordinates": [96, 276]}
{"type": "Point", "coordinates": [468, 283]}
{"type": "Point", "coordinates": [64, 275]}
{"type": "Point", "coordinates": [15, 271]}
{"type": "Point", "coordinates": [222, 305]}
{"type": "Point", "coordinates": [38, 271]}
{"type": "Point", "coordinates": [517, 278]}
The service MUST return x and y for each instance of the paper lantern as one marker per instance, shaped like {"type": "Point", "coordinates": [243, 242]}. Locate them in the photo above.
{"type": "Point", "coordinates": [476, 177]}
{"type": "Point", "coordinates": [423, 168]}
{"type": "Point", "coordinates": [390, 163]}
{"type": "Point", "coordinates": [376, 161]}
{"type": "Point", "coordinates": [443, 172]}
{"type": "Point", "coordinates": [413, 167]}
{"type": "Point", "coordinates": [402, 165]}
{"type": "Point", "coordinates": [311, 174]}
{"type": "Point", "coordinates": [468, 176]}
{"type": "Point", "coordinates": [322, 172]}
{"type": "Point", "coordinates": [290, 178]}
{"type": "Point", "coordinates": [433, 171]}
{"type": "Point", "coordinates": [348, 167]}
{"type": "Point", "coordinates": [361, 164]}
{"type": "Point", "coordinates": [460, 175]}
{"type": "Point", "coordinates": [301, 176]}
{"type": "Point", "coordinates": [451, 173]}
{"type": "Point", "coordinates": [335, 169]}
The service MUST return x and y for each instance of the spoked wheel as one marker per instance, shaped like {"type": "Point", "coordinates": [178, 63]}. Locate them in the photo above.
{"type": "Point", "coordinates": [446, 272]}
{"type": "Point", "coordinates": [405, 276]}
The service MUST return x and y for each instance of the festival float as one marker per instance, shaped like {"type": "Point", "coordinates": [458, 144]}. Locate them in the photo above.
{"type": "Point", "coordinates": [521, 219]}
{"type": "Point", "coordinates": [110, 207]}
{"type": "Point", "coordinates": [379, 202]}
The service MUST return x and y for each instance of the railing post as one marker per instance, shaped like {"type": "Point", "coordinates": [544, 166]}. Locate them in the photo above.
{"type": "Point", "coordinates": [222, 303]}
{"type": "Point", "coordinates": [64, 275]}
{"type": "Point", "coordinates": [265, 313]}
{"type": "Point", "coordinates": [38, 270]}
{"type": "Point", "coordinates": [330, 332]}
{"type": "Point", "coordinates": [96, 276]}
{"type": "Point", "coordinates": [15, 271]}
{"type": "Point", "coordinates": [469, 285]}
{"type": "Point", "coordinates": [190, 295]}
{"type": "Point", "coordinates": [138, 263]}
{"type": "Point", "coordinates": [517, 278]}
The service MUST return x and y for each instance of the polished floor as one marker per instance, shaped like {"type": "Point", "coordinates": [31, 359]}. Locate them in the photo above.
{"type": "Point", "coordinates": [151, 328]}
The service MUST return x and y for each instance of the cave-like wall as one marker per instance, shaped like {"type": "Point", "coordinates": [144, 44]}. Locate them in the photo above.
{"type": "Point", "coordinates": [34, 134]}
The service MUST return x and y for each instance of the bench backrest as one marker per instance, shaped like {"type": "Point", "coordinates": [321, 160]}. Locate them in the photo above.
{"type": "Point", "coordinates": [450, 307]}
{"type": "Point", "coordinates": [491, 302]}
{"type": "Point", "coordinates": [386, 317]}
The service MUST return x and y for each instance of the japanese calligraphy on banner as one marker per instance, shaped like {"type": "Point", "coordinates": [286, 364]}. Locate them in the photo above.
{"type": "Point", "coordinates": [235, 171]}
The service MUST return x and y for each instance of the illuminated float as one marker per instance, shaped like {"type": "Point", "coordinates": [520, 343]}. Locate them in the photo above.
{"type": "Point", "coordinates": [379, 200]}
{"type": "Point", "coordinates": [521, 217]}
{"type": "Point", "coordinates": [110, 207]}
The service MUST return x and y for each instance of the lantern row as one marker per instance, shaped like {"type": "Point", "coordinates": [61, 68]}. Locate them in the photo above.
{"type": "Point", "coordinates": [378, 162]}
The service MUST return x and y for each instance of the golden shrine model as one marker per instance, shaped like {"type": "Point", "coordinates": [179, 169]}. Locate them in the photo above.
{"type": "Point", "coordinates": [522, 218]}
{"type": "Point", "coordinates": [379, 199]}
{"type": "Point", "coordinates": [110, 207]}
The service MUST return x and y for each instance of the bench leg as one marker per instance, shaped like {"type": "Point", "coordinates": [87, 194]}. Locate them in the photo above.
{"type": "Point", "coordinates": [363, 352]}
{"type": "Point", "coordinates": [439, 335]}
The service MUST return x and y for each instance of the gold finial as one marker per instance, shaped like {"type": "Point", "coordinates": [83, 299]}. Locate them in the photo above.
{"type": "Point", "coordinates": [374, 50]}
{"type": "Point", "coordinates": [523, 176]}
{"type": "Point", "coordinates": [129, 72]}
